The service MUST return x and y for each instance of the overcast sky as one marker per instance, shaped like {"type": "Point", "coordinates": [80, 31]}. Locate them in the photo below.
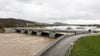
{"type": "Point", "coordinates": [71, 11]}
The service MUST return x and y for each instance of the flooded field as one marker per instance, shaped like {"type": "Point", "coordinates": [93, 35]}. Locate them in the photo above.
{"type": "Point", "coordinates": [12, 44]}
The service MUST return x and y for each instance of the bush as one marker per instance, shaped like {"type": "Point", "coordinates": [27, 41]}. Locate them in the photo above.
{"type": "Point", "coordinates": [2, 31]}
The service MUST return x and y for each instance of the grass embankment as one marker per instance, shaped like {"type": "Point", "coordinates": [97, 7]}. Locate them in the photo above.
{"type": "Point", "coordinates": [89, 46]}
{"type": "Point", "coordinates": [2, 31]}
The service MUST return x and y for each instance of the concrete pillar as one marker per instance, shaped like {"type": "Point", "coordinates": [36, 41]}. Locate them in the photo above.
{"type": "Point", "coordinates": [52, 34]}
{"type": "Point", "coordinates": [29, 32]}
{"type": "Point", "coordinates": [38, 33]}
{"type": "Point", "coordinates": [22, 31]}
{"type": "Point", "coordinates": [14, 30]}
{"type": "Point", "coordinates": [9, 30]}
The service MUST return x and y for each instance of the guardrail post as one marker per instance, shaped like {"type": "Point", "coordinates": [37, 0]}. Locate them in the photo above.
{"type": "Point", "coordinates": [75, 33]}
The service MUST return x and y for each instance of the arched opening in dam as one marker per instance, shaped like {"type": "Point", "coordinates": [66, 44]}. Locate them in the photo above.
{"type": "Point", "coordinates": [58, 35]}
{"type": "Point", "coordinates": [26, 32]}
{"type": "Point", "coordinates": [34, 33]}
{"type": "Point", "coordinates": [18, 31]}
{"type": "Point", "coordinates": [45, 34]}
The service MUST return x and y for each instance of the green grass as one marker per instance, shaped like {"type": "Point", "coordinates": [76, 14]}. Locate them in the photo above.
{"type": "Point", "coordinates": [2, 31]}
{"type": "Point", "coordinates": [89, 46]}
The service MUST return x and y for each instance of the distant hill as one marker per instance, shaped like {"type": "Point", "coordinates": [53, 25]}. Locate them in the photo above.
{"type": "Point", "coordinates": [59, 23]}
{"type": "Point", "coordinates": [11, 22]}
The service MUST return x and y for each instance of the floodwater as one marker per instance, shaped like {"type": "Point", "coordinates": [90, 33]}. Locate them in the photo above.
{"type": "Point", "coordinates": [84, 28]}
{"type": "Point", "coordinates": [13, 44]}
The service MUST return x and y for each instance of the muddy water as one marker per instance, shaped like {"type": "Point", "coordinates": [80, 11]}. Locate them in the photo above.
{"type": "Point", "coordinates": [12, 44]}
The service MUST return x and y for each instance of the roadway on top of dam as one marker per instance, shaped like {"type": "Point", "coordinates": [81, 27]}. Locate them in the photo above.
{"type": "Point", "coordinates": [62, 47]}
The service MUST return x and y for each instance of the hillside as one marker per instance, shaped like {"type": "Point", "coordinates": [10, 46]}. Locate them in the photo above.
{"type": "Point", "coordinates": [11, 22]}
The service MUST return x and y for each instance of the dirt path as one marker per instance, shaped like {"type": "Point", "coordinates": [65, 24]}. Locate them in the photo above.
{"type": "Point", "coordinates": [12, 44]}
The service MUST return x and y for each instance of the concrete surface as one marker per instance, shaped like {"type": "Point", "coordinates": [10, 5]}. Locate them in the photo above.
{"type": "Point", "coordinates": [62, 47]}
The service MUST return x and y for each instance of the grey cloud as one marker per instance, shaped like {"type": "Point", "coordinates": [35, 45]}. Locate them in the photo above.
{"type": "Point", "coordinates": [25, 1]}
{"type": "Point", "coordinates": [50, 10]}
